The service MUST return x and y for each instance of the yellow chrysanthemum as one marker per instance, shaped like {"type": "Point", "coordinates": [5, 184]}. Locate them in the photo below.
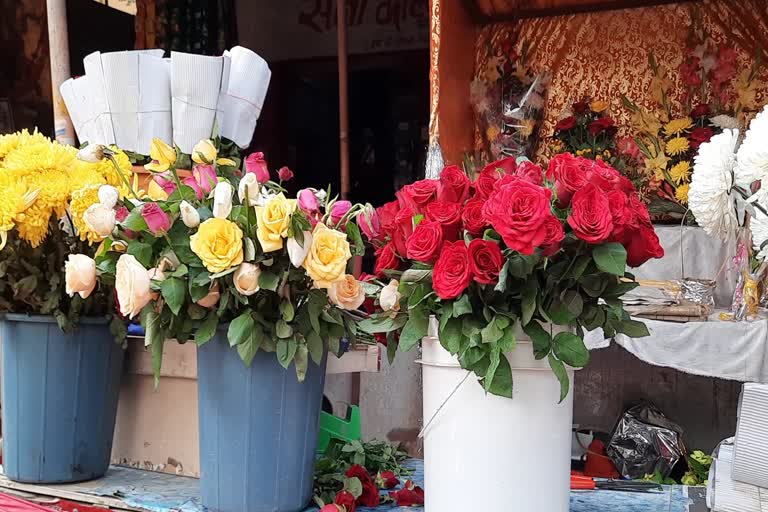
{"type": "Point", "coordinates": [681, 194]}
{"type": "Point", "coordinates": [526, 127]}
{"type": "Point", "coordinates": [680, 172]}
{"type": "Point", "coordinates": [677, 146]}
{"type": "Point", "coordinates": [81, 200]}
{"type": "Point", "coordinates": [677, 126]}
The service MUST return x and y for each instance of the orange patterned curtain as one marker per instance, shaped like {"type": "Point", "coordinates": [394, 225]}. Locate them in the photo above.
{"type": "Point", "coordinates": [605, 54]}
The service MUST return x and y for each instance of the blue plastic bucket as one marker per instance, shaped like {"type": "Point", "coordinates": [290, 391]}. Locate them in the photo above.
{"type": "Point", "coordinates": [59, 399]}
{"type": "Point", "coordinates": [258, 430]}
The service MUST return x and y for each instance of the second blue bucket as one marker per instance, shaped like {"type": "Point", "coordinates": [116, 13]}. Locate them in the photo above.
{"type": "Point", "coordinates": [258, 430]}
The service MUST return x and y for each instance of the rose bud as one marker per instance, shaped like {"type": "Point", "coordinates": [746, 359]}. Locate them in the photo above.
{"type": "Point", "coordinates": [210, 300]}
{"type": "Point", "coordinates": [285, 174]}
{"type": "Point", "coordinates": [248, 190]}
{"type": "Point", "coordinates": [108, 196]}
{"type": "Point", "coordinates": [297, 252]}
{"type": "Point", "coordinates": [92, 153]}
{"type": "Point", "coordinates": [100, 219]}
{"type": "Point", "coordinates": [204, 152]}
{"type": "Point", "coordinates": [80, 275]}
{"type": "Point", "coordinates": [189, 216]}
{"type": "Point", "coordinates": [222, 200]}
{"type": "Point", "coordinates": [256, 164]}
{"type": "Point", "coordinates": [157, 220]}
{"type": "Point", "coordinates": [246, 279]}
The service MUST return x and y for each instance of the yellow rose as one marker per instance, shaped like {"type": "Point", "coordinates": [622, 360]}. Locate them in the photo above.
{"type": "Point", "coordinates": [326, 261]}
{"type": "Point", "coordinates": [347, 294]}
{"type": "Point", "coordinates": [163, 156]}
{"type": "Point", "coordinates": [273, 220]}
{"type": "Point", "coordinates": [219, 244]}
{"type": "Point", "coordinates": [204, 152]}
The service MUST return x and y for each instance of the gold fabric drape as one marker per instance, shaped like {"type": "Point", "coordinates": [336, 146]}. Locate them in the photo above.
{"type": "Point", "coordinates": [605, 54]}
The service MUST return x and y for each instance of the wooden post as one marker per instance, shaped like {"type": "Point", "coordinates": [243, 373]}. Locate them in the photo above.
{"type": "Point", "coordinates": [58, 43]}
{"type": "Point", "coordinates": [341, 18]}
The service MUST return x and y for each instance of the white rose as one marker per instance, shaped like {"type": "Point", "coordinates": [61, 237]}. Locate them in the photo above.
{"type": "Point", "coordinates": [249, 189]}
{"type": "Point", "coordinates": [246, 279]}
{"type": "Point", "coordinates": [132, 283]}
{"type": "Point", "coordinates": [80, 275]}
{"type": "Point", "coordinates": [92, 153]}
{"type": "Point", "coordinates": [100, 219]}
{"type": "Point", "coordinates": [210, 300]}
{"type": "Point", "coordinates": [222, 200]}
{"type": "Point", "coordinates": [389, 299]}
{"type": "Point", "coordinates": [298, 253]}
{"type": "Point", "coordinates": [189, 215]}
{"type": "Point", "coordinates": [108, 196]}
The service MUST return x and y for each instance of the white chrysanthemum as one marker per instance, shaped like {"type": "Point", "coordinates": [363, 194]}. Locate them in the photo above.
{"type": "Point", "coordinates": [758, 225]}
{"type": "Point", "coordinates": [752, 156]}
{"type": "Point", "coordinates": [725, 122]}
{"type": "Point", "coordinates": [709, 197]}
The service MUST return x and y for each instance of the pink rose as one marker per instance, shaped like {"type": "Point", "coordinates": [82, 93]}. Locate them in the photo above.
{"type": "Point", "coordinates": [157, 220]}
{"type": "Point", "coordinates": [205, 176]}
{"type": "Point", "coordinates": [285, 174]}
{"type": "Point", "coordinates": [256, 164]}
{"type": "Point", "coordinates": [368, 221]}
{"type": "Point", "coordinates": [166, 182]}
{"type": "Point", "coordinates": [307, 201]}
{"type": "Point", "coordinates": [339, 210]}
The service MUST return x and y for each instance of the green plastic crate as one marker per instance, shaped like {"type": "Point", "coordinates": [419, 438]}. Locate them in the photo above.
{"type": "Point", "coordinates": [333, 427]}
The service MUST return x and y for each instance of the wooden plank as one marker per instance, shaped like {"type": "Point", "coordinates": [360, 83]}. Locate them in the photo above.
{"type": "Point", "coordinates": [73, 492]}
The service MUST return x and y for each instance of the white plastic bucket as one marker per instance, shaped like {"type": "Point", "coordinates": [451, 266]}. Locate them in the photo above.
{"type": "Point", "coordinates": [483, 452]}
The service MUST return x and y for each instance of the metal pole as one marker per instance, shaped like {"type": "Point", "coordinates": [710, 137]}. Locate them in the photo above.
{"type": "Point", "coordinates": [341, 19]}
{"type": "Point", "coordinates": [58, 44]}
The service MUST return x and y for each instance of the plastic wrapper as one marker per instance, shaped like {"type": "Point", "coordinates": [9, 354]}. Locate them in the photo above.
{"type": "Point", "coordinates": [645, 442]}
{"type": "Point", "coordinates": [521, 112]}
{"type": "Point", "coordinates": [698, 291]}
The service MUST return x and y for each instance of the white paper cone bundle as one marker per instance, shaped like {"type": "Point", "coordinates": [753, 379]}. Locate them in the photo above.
{"type": "Point", "coordinates": [248, 83]}
{"type": "Point", "coordinates": [198, 84]}
{"type": "Point", "coordinates": [75, 92]}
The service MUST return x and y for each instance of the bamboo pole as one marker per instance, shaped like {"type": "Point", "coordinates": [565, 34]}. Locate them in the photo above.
{"type": "Point", "coordinates": [341, 19]}
{"type": "Point", "coordinates": [58, 44]}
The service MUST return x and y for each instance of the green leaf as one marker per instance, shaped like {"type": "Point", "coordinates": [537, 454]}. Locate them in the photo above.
{"type": "Point", "coordinates": [414, 330]}
{"type": "Point", "coordinates": [462, 306]}
{"type": "Point", "coordinates": [528, 300]}
{"type": "Point", "coordinates": [633, 328]}
{"type": "Point", "coordinates": [142, 252]}
{"type": "Point", "coordinates": [315, 305]}
{"type": "Point", "coordinates": [287, 311]}
{"type": "Point", "coordinates": [207, 329]}
{"type": "Point", "coordinates": [269, 281]}
{"type": "Point", "coordinates": [611, 258]}
{"type": "Point", "coordinates": [570, 349]}
{"type": "Point", "coordinates": [503, 278]}
{"type": "Point", "coordinates": [358, 246]}
{"type": "Point", "coordinates": [155, 338]}
{"type": "Point", "coordinates": [558, 368]}
{"type": "Point", "coordinates": [521, 266]}
{"type": "Point", "coordinates": [315, 346]}
{"type": "Point", "coordinates": [249, 250]}
{"type": "Point", "coordinates": [579, 267]}
{"type": "Point", "coordinates": [391, 347]}
{"type": "Point", "coordinates": [566, 309]}
{"type": "Point", "coordinates": [495, 359]}
{"type": "Point", "coordinates": [248, 348]}
{"type": "Point", "coordinates": [240, 329]}
{"type": "Point", "coordinates": [353, 486]}
{"type": "Point", "coordinates": [592, 317]}
{"type": "Point", "coordinates": [301, 361]}
{"type": "Point", "coordinates": [450, 335]}
{"type": "Point", "coordinates": [508, 341]}
{"type": "Point", "coordinates": [283, 329]}
{"type": "Point", "coordinates": [286, 349]}
{"type": "Point", "coordinates": [541, 339]}
{"type": "Point", "coordinates": [617, 289]}
{"type": "Point", "coordinates": [174, 292]}
{"type": "Point", "coordinates": [378, 324]}
{"type": "Point", "coordinates": [134, 221]}
{"type": "Point", "coordinates": [594, 285]}
{"type": "Point", "coordinates": [415, 276]}
{"type": "Point", "coordinates": [219, 275]}
{"type": "Point", "coordinates": [501, 385]}
{"type": "Point", "coordinates": [491, 333]}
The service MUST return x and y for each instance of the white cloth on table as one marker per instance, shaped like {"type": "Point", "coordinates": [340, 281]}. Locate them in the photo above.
{"type": "Point", "coordinates": [703, 259]}
{"type": "Point", "coordinates": [726, 350]}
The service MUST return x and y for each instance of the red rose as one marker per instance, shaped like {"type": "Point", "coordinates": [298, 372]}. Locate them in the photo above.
{"type": "Point", "coordinates": [387, 480]}
{"type": "Point", "coordinates": [642, 245]}
{"type": "Point", "coordinates": [345, 499]}
{"type": "Point", "coordinates": [601, 174]}
{"type": "Point", "coordinates": [699, 136]}
{"type": "Point", "coordinates": [601, 125]}
{"type": "Point", "coordinates": [386, 216]}
{"type": "Point", "coordinates": [639, 209]}
{"type": "Point", "coordinates": [486, 182]}
{"type": "Point", "coordinates": [370, 495]}
{"type": "Point", "coordinates": [449, 217]}
{"type": "Point", "coordinates": [472, 217]}
{"type": "Point", "coordinates": [485, 261]}
{"type": "Point", "coordinates": [332, 507]}
{"type": "Point", "coordinates": [386, 259]}
{"type": "Point", "coordinates": [629, 148]}
{"type": "Point", "coordinates": [565, 124]}
{"type": "Point", "coordinates": [453, 186]}
{"type": "Point", "coordinates": [554, 236]}
{"type": "Point", "coordinates": [424, 244]}
{"type": "Point", "coordinates": [451, 274]}
{"type": "Point", "coordinates": [701, 110]}
{"type": "Point", "coordinates": [507, 165]}
{"type": "Point", "coordinates": [410, 496]}
{"type": "Point", "coordinates": [590, 216]}
{"type": "Point", "coordinates": [418, 195]}
{"type": "Point", "coordinates": [517, 211]}
{"type": "Point", "coordinates": [529, 171]}
{"type": "Point", "coordinates": [580, 107]}
{"type": "Point", "coordinates": [624, 219]}
{"type": "Point", "coordinates": [565, 171]}
{"type": "Point", "coordinates": [403, 229]}
{"type": "Point", "coordinates": [285, 174]}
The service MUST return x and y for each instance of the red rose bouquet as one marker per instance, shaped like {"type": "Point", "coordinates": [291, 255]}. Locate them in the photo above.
{"type": "Point", "coordinates": [517, 248]}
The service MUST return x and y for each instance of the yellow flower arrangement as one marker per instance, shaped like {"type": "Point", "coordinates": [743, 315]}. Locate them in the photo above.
{"type": "Point", "coordinates": [681, 194]}
{"type": "Point", "coordinates": [677, 126]}
{"type": "Point", "coordinates": [680, 172]}
{"type": "Point", "coordinates": [219, 244]}
{"type": "Point", "coordinates": [677, 146]}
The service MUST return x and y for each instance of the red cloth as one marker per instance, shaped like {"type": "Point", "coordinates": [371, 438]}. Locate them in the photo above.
{"type": "Point", "coordinates": [12, 504]}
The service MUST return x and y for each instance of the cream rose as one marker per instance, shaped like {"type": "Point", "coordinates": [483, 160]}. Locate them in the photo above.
{"type": "Point", "coordinates": [189, 216]}
{"type": "Point", "coordinates": [249, 190]}
{"type": "Point", "coordinates": [100, 219]}
{"type": "Point", "coordinates": [389, 298]}
{"type": "Point", "coordinates": [246, 279]}
{"type": "Point", "coordinates": [108, 196]}
{"type": "Point", "coordinates": [347, 293]}
{"type": "Point", "coordinates": [132, 283]}
{"type": "Point", "coordinates": [210, 300]}
{"type": "Point", "coordinates": [297, 252]}
{"type": "Point", "coordinates": [80, 275]}
{"type": "Point", "coordinates": [222, 200]}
